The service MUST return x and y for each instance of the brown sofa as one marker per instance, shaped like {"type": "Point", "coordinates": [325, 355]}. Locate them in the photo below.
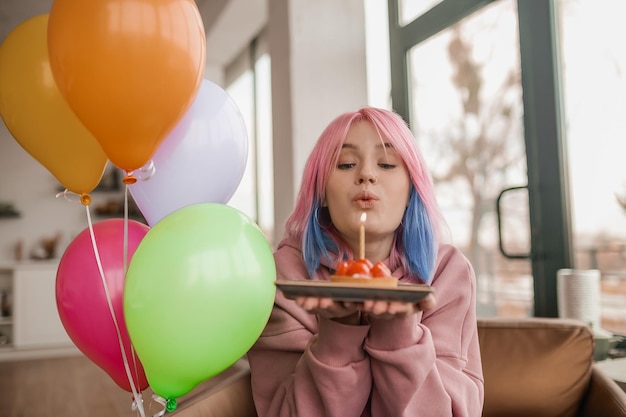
{"type": "Point", "coordinates": [536, 367]}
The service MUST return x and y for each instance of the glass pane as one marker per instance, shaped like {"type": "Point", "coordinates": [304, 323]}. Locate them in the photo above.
{"type": "Point", "coordinates": [466, 112]}
{"type": "Point", "coordinates": [594, 61]}
{"type": "Point", "coordinates": [412, 9]}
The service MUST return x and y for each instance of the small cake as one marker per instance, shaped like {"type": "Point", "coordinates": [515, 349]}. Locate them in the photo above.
{"type": "Point", "coordinates": [363, 272]}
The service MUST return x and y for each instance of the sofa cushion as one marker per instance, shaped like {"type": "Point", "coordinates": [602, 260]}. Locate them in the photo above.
{"type": "Point", "coordinates": [537, 367]}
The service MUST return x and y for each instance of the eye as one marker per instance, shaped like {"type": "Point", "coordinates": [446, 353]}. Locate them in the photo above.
{"type": "Point", "coordinates": [385, 165]}
{"type": "Point", "coordinates": [344, 166]}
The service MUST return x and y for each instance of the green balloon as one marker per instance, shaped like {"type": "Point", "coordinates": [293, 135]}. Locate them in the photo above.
{"type": "Point", "coordinates": [198, 293]}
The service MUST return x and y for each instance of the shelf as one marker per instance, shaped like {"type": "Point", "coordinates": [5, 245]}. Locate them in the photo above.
{"type": "Point", "coordinates": [6, 321]}
{"type": "Point", "coordinates": [8, 211]}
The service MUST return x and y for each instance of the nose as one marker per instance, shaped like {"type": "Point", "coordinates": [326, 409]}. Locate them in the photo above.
{"type": "Point", "coordinates": [366, 175]}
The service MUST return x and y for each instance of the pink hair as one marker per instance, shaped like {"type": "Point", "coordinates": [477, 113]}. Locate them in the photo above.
{"type": "Point", "coordinates": [324, 156]}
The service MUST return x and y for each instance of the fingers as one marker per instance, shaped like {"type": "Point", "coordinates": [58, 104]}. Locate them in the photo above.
{"type": "Point", "coordinates": [327, 307]}
{"type": "Point", "coordinates": [387, 309]}
{"type": "Point", "coordinates": [383, 306]}
{"type": "Point", "coordinates": [314, 303]}
{"type": "Point", "coordinates": [377, 308]}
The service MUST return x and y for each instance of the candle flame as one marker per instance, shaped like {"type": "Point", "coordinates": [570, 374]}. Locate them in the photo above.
{"type": "Point", "coordinates": [363, 217]}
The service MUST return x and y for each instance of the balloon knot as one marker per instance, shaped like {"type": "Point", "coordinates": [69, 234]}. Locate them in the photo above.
{"type": "Point", "coordinates": [129, 179]}
{"type": "Point", "coordinates": [170, 405]}
{"type": "Point", "coordinates": [85, 199]}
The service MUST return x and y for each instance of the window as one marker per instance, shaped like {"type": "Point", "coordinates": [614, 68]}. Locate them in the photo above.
{"type": "Point", "coordinates": [460, 120]}
{"type": "Point", "coordinates": [466, 113]}
{"type": "Point", "coordinates": [249, 84]}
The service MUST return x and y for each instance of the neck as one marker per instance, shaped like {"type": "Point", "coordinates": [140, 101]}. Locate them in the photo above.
{"type": "Point", "coordinates": [375, 249]}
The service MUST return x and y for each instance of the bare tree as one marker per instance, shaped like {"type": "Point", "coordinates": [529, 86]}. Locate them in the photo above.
{"type": "Point", "coordinates": [482, 146]}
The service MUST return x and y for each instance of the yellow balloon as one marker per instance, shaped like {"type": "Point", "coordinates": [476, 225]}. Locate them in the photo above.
{"type": "Point", "coordinates": [38, 116]}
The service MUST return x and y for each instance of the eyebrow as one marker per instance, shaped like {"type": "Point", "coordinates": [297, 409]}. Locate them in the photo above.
{"type": "Point", "coordinates": [385, 145]}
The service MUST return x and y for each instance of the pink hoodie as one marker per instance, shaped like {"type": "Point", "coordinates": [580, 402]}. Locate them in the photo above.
{"type": "Point", "coordinates": [427, 364]}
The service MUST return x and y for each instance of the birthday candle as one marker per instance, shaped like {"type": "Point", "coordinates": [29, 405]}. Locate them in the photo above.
{"type": "Point", "coordinates": [362, 236]}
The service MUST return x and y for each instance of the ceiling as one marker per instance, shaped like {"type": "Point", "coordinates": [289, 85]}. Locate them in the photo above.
{"type": "Point", "coordinates": [229, 24]}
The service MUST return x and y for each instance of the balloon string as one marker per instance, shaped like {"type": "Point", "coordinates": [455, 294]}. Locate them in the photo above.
{"type": "Point", "coordinates": [137, 404]}
{"type": "Point", "coordinates": [125, 266]}
{"type": "Point", "coordinates": [147, 171]}
{"type": "Point", "coordinates": [137, 397]}
{"type": "Point", "coordinates": [83, 198]}
{"type": "Point", "coordinates": [161, 401]}
{"type": "Point", "coordinates": [125, 231]}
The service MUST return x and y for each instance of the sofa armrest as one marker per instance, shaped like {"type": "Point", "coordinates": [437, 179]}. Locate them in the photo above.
{"type": "Point", "coordinates": [228, 394]}
{"type": "Point", "coordinates": [604, 397]}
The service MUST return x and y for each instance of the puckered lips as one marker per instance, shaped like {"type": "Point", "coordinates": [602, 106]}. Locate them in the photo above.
{"type": "Point", "coordinates": [365, 199]}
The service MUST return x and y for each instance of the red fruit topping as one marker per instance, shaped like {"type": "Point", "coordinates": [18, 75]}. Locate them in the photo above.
{"type": "Point", "coordinates": [380, 270]}
{"type": "Point", "coordinates": [367, 262]}
{"type": "Point", "coordinates": [342, 268]}
{"type": "Point", "coordinates": [359, 267]}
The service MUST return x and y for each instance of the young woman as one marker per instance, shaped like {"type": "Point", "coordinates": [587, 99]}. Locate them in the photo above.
{"type": "Point", "coordinates": [319, 357]}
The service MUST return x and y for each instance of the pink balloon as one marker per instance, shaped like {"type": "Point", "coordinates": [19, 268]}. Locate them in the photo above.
{"type": "Point", "coordinates": [201, 161]}
{"type": "Point", "coordinates": [82, 301]}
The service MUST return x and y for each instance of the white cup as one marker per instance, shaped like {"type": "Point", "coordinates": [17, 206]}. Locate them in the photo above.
{"type": "Point", "coordinates": [578, 295]}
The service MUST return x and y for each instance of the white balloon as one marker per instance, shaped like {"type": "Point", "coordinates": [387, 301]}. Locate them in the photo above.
{"type": "Point", "coordinates": [201, 161]}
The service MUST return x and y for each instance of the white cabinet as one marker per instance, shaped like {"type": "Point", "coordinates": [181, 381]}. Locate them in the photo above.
{"type": "Point", "coordinates": [6, 310]}
{"type": "Point", "coordinates": [34, 322]}
{"type": "Point", "coordinates": [36, 318]}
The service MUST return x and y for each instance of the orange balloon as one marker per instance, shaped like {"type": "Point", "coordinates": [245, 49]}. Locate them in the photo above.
{"type": "Point", "coordinates": [38, 116]}
{"type": "Point", "coordinates": [128, 69]}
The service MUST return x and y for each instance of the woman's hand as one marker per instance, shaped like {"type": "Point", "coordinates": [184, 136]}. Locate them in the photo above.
{"type": "Point", "coordinates": [349, 312]}
{"type": "Point", "coordinates": [341, 311]}
{"type": "Point", "coordinates": [389, 309]}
